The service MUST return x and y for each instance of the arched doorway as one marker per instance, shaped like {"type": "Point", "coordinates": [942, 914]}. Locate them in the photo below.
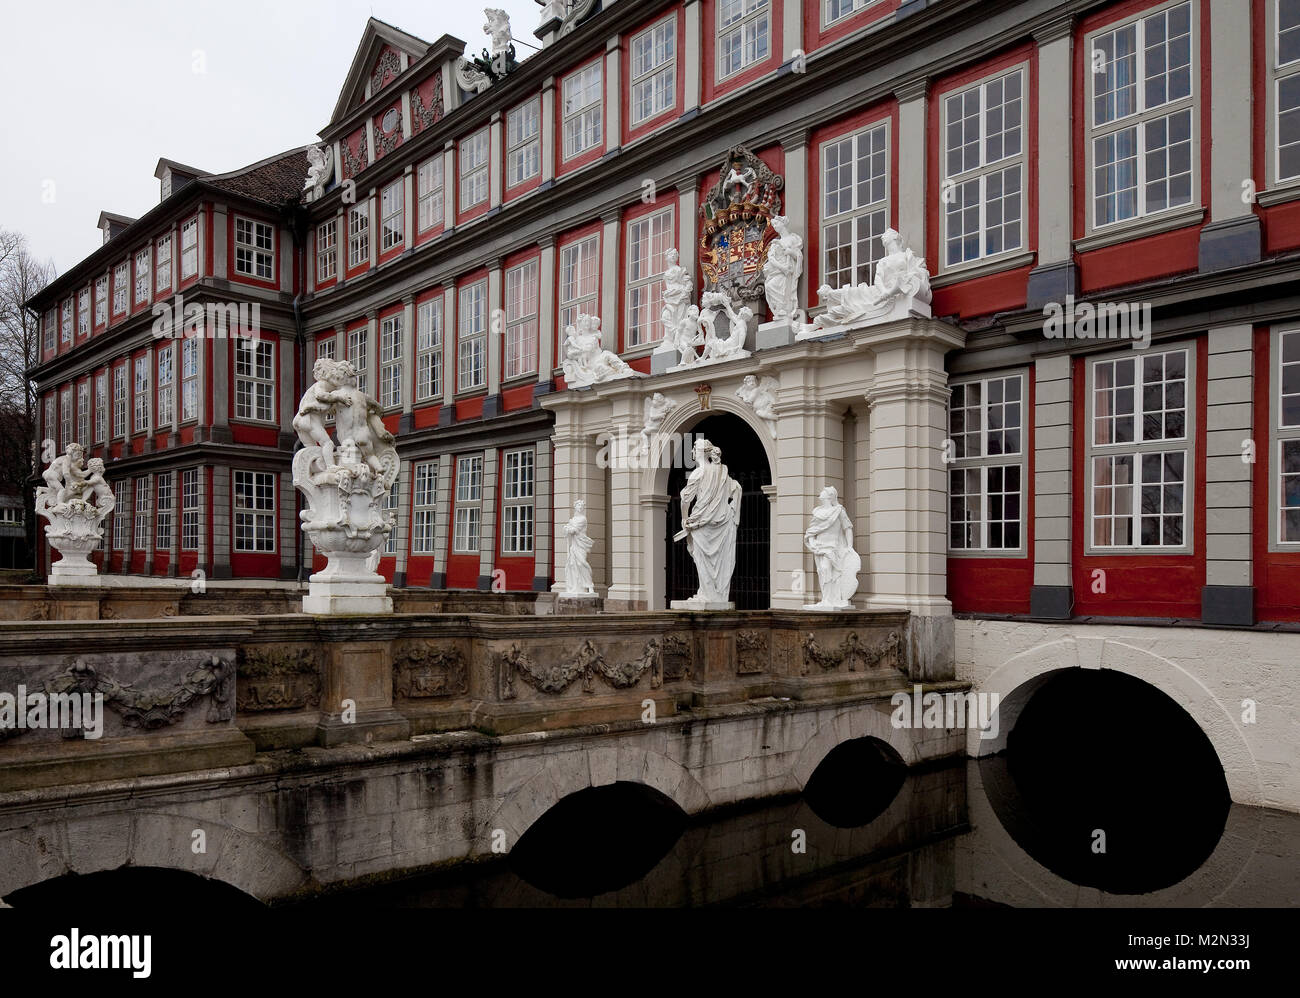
{"type": "Point", "coordinates": [746, 461]}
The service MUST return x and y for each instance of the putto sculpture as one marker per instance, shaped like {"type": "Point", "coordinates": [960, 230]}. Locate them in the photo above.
{"type": "Point", "coordinates": [781, 271]}
{"type": "Point", "coordinates": [830, 539]}
{"type": "Point", "coordinates": [585, 362]}
{"type": "Point", "coordinates": [577, 569]}
{"type": "Point", "coordinates": [761, 397]}
{"type": "Point", "coordinates": [320, 169]}
{"type": "Point", "coordinates": [901, 286]}
{"type": "Point", "coordinates": [346, 485]}
{"type": "Point", "coordinates": [657, 407]}
{"type": "Point", "coordinates": [75, 500]}
{"type": "Point", "coordinates": [710, 505]}
{"type": "Point", "coordinates": [698, 340]}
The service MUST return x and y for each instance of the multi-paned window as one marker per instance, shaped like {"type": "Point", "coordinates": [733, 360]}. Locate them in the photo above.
{"type": "Point", "coordinates": [163, 513]}
{"type": "Point", "coordinates": [254, 511]}
{"type": "Point", "coordinates": [121, 278]}
{"type": "Point", "coordinates": [517, 490]}
{"type": "Point", "coordinates": [1287, 434]}
{"type": "Point", "coordinates": [190, 509]}
{"type": "Point", "coordinates": [142, 282]}
{"type": "Point", "coordinates": [101, 407]}
{"type": "Point", "coordinates": [65, 418]}
{"type": "Point", "coordinates": [189, 248]}
{"type": "Point", "coordinates": [65, 327]}
{"type": "Point", "coordinates": [469, 504]}
{"type": "Point", "coordinates": [166, 389]}
{"type": "Point", "coordinates": [391, 203]}
{"type": "Point", "coordinates": [49, 428]}
{"type": "Point", "coordinates": [579, 279]}
{"type": "Point", "coordinates": [359, 234]}
{"type": "Point", "coordinates": [393, 506]}
{"type": "Point", "coordinates": [83, 312]}
{"type": "Point", "coordinates": [121, 518]}
{"type": "Point", "coordinates": [836, 10]}
{"type": "Point", "coordinates": [254, 249]}
{"type": "Point", "coordinates": [1140, 415]}
{"type": "Point", "coordinates": [744, 34]}
{"type": "Point", "coordinates": [101, 300]}
{"type": "Point", "coordinates": [359, 355]}
{"type": "Point", "coordinates": [648, 239]}
{"type": "Point", "coordinates": [325, 347]}
{"type": "Point", "coordinates": [855, 205]}
{"type": "Point", "coordinates": [654, 70]}
{"type": "Point", "coordinates": [119, 400]}
{"type": "Point", "coordinates": [189, 380]}
{"type": "Point", "coordinates": [582, 125]}
{"type": "Point", "coordinates": [524, 142]}
{"type": "Point", "coordinates": [428, 349]}
{"type": "Point", "coordinates": [986, 483]}
{"type": "Point", "coordinates": [390, 360]}
{"type": "Point", "coordinates": [429, 181]}
{"type": "Point", "coordinates": [142, 496]}
{"type": "Point", "coordinates": [471, 358]}
{"type": "Point", "coordinates": [327, 250]}
{"type": "Point", "coordinates": [255, 379]}
{"type": "Point", "coordinates": [51, 322]}
{"type": "Point", "coordinates": [83, 412]}
{"type": "Point", "coordinates": [1286, 89]}
{"type": "Point", "coordinates": [1143, 116]}
{"type": "Point", "coordinates": [473, 161]}
{"type": "Point", "coordinates": [141, 394]}
{"type": "Point", "coordinates": [521, 319]}
{"type": "Point", "coordinates": [424, 478]}
{"type": "Point", "coordinates": [984, 169]}
{"type": "Point", "coordinates": [163, 263]}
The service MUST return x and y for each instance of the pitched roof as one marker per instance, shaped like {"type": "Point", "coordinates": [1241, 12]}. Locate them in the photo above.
{"type": "Point", "coordinates": [274, 180]}
{"type": "Point", "coordinates": [376, 35]}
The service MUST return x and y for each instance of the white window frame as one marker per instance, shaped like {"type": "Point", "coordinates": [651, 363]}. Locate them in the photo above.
{"type": "Point", "coordinates": [253, 517]}
{"type": "Point", "coordinates": [424, 490]}
{"type": "Point", "coordinates": [166, 381]}
{"type": "Point", "coordinates": [254, 248]}
{"type": "Point", "coordinates": [391, 351]}
{"type": "Point", "coordinates": [143, 274]}
{"type": "Point", "coordinates": [65, 324]}
{"type": "Point", "coordinates": [101, 300]}
{"type": "Point", "coordinates": [428, 349]}
{"type": "Point", "coordinates": [254, 377]}
{"type": "Point", "coordinates": [359, 356]}
{"type": "Point", "coordinates": [359, 235]}
{"type": "Point", "coordinates": [523, 319]}
{"type": "Point", "coordinates": [429, 181]}
{"type": "Point", "coordinates": [518, 495]}
{"type": "Point", "coordinates": [163, 264]}
{"type": "Point", "coordinates": [393, 505]}
{"type": "Point", "coordinates": [983, 456]}
{"type": "Point", "coordinates": [121, 287]}
{"type": "Point", "coordinates": [471, 337]}
{"type": "Point", "coordinates": [66, 417]}
{"type": "Point", "coordinates": [189, 380]}
{"type": "Point", "coordinates": [142, 506]}
{"type": "Point", "coordinates": [392, 204]}
{"type": "Point", "coordinates": [327, 250]}
{"type": "Point", "coordinates": [83, 312]}
{"type": "Point", "coordinates": [468, 520]}
{"type": "Point", "coordinates": [1285, 434]}
{"type": "Point", "coordinates": [751, 25]}
{"type": "Point", "coordinates": [120, 424]}
{"type": "Point", "coordinates": [571, 296]}
{"type": "Point", "coordinates": [189, 248]}
{"type": "Point", "coordinates": [121, 517]}
{"type": "Point", "coordinates": [658, 73]}
{"type": "Point", "coordinates": [51, 329]}
{"type": "Point", "coordinates": [830, 18]}
{"type": "Point", "coordinates": [101, 407]}
{"type": "Point", "coordinates": [83, 413]}
{"type": "Point", "coordinates": [190, 509]}
{"type": "Point", "coordinates": [140, 394]}
{"type": "Point", "coordinates": [163, 508]}
{"type": "Point", "coordinates": [874, 215]}
{"type": "Point", "coordinates": [524, 142]}
{"type": "Point", "coordinates": [473, 161]}
{"type": "Point", "coordinates": [643, 277]}
{"type": "Point", "coordinates": [1281, 74]}
{"type": "Point", "coordinates": [583, 125]}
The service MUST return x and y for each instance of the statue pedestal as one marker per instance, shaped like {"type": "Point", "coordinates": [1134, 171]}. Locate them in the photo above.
{"type": "Point", "coordinates": [778, 333]}
{"type": "Point", "coordinates": [75, 568]}
{"type": "Point", "coordinates": [347, 523]}
{"type": "Point", "coordinates": [692, 604]}
{"type": "Point", "coordinates": [74, 532]}
{"type": "Point", "coordinates": [572, 604]}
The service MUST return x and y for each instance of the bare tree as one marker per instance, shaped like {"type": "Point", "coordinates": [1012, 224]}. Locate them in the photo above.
{"type": "Point", "coordinates": [21, 277]}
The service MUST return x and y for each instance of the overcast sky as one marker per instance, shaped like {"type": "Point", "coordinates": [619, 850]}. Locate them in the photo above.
{"type": "Point", "coordinates": [96, 91]}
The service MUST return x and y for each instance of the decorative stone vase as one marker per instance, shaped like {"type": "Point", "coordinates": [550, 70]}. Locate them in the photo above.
{"type": "Point", "coordinates": [75, 530]}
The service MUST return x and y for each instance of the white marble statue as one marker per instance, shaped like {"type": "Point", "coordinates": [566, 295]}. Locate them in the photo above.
{"type": "Point", "coordinates": [687, 338]}
{"type": "Point", "coordinates": [585, 362]}
{"type": "Point", "coordinates": [830, 539]}
{"type": "Point", "coordinates": [677, 302]}
{"type": "Point", "coordinates": [346, 486]}
{"type": "Point", "coordinates": [320, 168]}
{"type": "Point", "coordinates": [740, 180]}
{"type": "Point", "coordinates": [710, 505]}
{"type": "Point", "coordinates": [761, 397]}
{"type": "Point", "coordinates": [781, 271]}
{"type": "Point", "coordinates": [498, 29]}
{"type": "Point", "coordinates": [901, 286]}
{"type": "Point", "coordinates": [719, 348]}
{"type": "Point", "coordinates": [75, 500]}
{"type": "Point", "coordinates": [577, 570]}
{"type": "Point", "coordinates": [470, 78]}
{"type": "Point", "coordinates": [657, 407]}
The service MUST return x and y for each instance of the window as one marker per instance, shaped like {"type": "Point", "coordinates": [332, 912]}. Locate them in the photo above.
{"type": "Point", "coordinates": [392, 505]}
{"type": "Point", "coordinates": [120, 282]}
{"type": "Point", "coordinates": [430, 184]}
{"type": "Point", "coordinates": [517, 502]}
{"type": "Point", "coordinates": [390, 361]}
{"type": "Point", "coordinates": [327, 250]}
{"type": "Point", "coordinates": [163, 259]}
{"type": "Point", "coordinates": [65, 329]}
{"type": "Point", "coordinates": [1288, 437]}
{"type": "Point", "coordinates": [428, 350]}
{"type": "Point", "coordinates": [1139, 406]}
{"type": "Point", "coordinates": [523, 142]}
{"type": "Point", "coordinates": [985, 489]}
{"type": "Point", "coordinates": [654, 70]}
{"type": "Point", "coordinates": [390, 215]}
{"type": "Point", "coordinates": [119, 400]}
{"type": "Point", "coordinates": [83, 412]}
{"type": "Point", "coordinates": [471, 368]}
{"type": "Point", "coordinates": [101, 407]}
{"type": "Point", "coordinates": [65, 418]}
{"type": "Point", "coordinates": [855, 205]}
{"type": "Point", "coordinates": [49, 427]}
{"type": "Point", "coordinates": [142, 276]}
{"type": "Point", "coordinates": [1286, 89]}
{"type": "Point", "coordinates": [142, 495]}
{"type": "Point", "coordinates": [325, 347]}
{"type": "Point", "coordinates": [474, 170]}
{"type": "Point", "coordinates": [254, 511]}
{"type": "Point", "coordinates": [984, 167]}
{"type": "Point", "coordinates": [190, 509]}
{"type": "Point", "coordinates": [163, 516]}
{"type": "Point", "coordinates": [141, 394]}
{"type": "Point", "coordinates": [101, 300]}
{"type": "Point", "coordinates": [254, 249]}
{"type": "Point", "coordinates": [166, 392]}
{"type": "Point", "coordinates": [744, 35]}
{"type": "Point", "coordinates": [83, 313]}
{"type": "Point", "coordinates": [834, 10]}
{"type": "Point", "coordinates": [189, 248]}
{"type": "Point", "coordinates": [1142, 117]}
{"type": "Point", "coordinates": [11, 516]}
{"type": "Point", "coordinates": [121, 542]}
{"type": "Point", "coordinates": [469, 509]}
{"type": "Point", "coordinates": [648, 238]}
{"type": "Point", "coordinates": [579, 280]}
{"type": "Point", "coordinates": [255, 380]}
{"type": "Point", "coordinates": [521, 319]}
{"type": "Point", "coordinates": [51, 321]}
{"type": "Point", "coordinates": [582, 110]}
{"type": "Point", "coordinates": [359, 235]}
{"type": "Point", "coordinates": [189, 380]}
{"type": "Point", "coordinates": [424, 477]}
{"type": "Point", "coordinates": [358, 354]}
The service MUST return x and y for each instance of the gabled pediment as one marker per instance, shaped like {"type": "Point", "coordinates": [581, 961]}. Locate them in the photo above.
{"type": "Point", "coordinates": [384, 53]}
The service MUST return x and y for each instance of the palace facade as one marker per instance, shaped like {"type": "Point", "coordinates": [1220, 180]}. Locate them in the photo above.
{"type": "Point", "coordinates": [1134, 163]}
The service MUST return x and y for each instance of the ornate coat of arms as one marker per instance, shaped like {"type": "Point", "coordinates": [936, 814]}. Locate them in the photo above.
{"type": "Point", "coordinates": [734, 226]}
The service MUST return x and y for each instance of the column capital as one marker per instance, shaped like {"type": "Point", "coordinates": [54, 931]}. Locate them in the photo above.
{"type": "Point", "coordinates": [1061, 26]}
{"type": "Point", "coordinates": [612, 216]}
{"type": "Point", "coordinates": [794, 138]}
{"type": "Point", "coordinates": [915, 89]}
